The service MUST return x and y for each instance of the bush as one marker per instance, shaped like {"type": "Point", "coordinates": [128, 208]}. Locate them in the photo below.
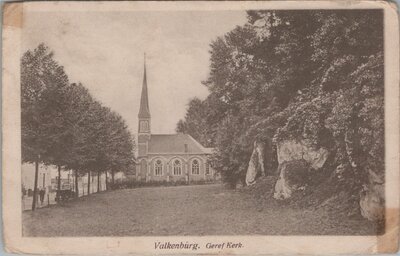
{"type": "Point", "coordinates": [129, 184]}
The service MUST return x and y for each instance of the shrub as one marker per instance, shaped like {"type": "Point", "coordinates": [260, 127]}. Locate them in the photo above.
{"type": "Point", "coordinates": [129, 184]}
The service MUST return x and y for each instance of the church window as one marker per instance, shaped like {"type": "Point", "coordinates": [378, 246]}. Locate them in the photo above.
{"type": "Point", "coordinates": [144, 126]}
{"type": "Point", "coordinates": [177, 167]}
{"type": "Point", "coordinates": [207, 168]}
{"type": "Point", "coordinates": [158, 168]}
{"type": "Point", "coordinates": [195, 167]}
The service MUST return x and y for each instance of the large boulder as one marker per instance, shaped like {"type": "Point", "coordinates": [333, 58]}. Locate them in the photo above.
{"type": "Point", "coordinates": [282, 189]}
{"type": "Point", "coordinates": [293, 176]}
{"type": "Point", "coordinates": [372, 200]}
{"type": "Point", "coordinates": [295, 158]}
{"type": "Point", "coordinates": [302, 150]}
{"type": "Point", "coordinates": [256, 163]}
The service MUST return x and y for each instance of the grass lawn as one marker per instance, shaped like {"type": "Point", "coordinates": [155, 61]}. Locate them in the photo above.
{"type": "Point", "coordinates": [185, 210]}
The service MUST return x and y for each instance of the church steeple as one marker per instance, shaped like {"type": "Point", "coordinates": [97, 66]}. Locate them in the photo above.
{"type": "Point", "coordinates": [144, 131]}
{"type": "Point", "coordinates": [144, 111]}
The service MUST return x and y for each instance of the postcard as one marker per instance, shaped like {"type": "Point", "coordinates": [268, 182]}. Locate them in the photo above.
{"type": "Point", "coordinates": [200, 127]}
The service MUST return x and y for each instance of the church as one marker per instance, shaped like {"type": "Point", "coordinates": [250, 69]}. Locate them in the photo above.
{"type": "Point", "coordinates": [168, 157]}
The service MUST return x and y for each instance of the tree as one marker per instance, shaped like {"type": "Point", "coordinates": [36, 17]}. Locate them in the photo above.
{"type": "Point", "coordinates": [43, 82]}
{"type": "Point", "coordinates": [63, 125]}
{"type": "Point", "coordinates": [119, 144]}
{"type": "Point", "coordinates": [109, 144]}
{"type": "Point", "coordinates": [122, 147]}
{"type": "Point", "coordinates": [347, 84]}
{"type": "Point", "coordinates": [195, 122]}
{"type": "Point", "coordinates": [77, 128]}
{"type": "Point", "coordinates": [315, 75]}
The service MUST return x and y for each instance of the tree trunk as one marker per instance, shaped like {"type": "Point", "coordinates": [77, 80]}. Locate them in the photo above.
{"type": "Point", "coordinates": [88, 183]}
{"type": "Point", "coordinates": [59, 184]}
{"type": "Point", "coordinates": [35, 185]}
{"type": "Point", "coordinates": [106, 182]}
{"type": "Point", "coordinates": [76, 184]}
{"type": "Point", "coordinates": [98, 181]}
{"type": "Point", "coordinates": [112, 178]}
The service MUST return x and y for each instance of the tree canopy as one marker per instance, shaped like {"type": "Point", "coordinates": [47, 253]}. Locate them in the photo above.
{"type": "Point", "coordinates": [63, 125]}
{"type": "Point", "coordinates": [312, 74]}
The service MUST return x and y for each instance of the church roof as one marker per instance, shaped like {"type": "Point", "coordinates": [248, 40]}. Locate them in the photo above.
{"type": "Point", "coordinates": [144, 110]}
{"type": "Point", "coordinates": [175, 143]}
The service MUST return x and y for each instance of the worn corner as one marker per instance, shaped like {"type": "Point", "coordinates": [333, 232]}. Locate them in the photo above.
{"type": "Point", "coordinates": [389, 242]}
{"type": "Point", "coordinates": [13, 15]}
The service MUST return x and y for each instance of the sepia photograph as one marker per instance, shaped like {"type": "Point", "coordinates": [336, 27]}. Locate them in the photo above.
{"type": "Point", "coordinates": [196, 121]}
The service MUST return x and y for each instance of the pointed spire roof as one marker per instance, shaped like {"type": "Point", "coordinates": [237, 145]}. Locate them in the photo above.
{"type": "Point", "coordinates": [144, 111]}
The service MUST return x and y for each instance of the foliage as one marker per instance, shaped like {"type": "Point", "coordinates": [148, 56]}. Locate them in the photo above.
{"type": "Point", "coordinates": [128, 184]}
{"type": "Point", "coordinates": [43, 86]}
{"type": "Point", "coordinates": [315, 75]}
{"type": "Point", "coordinates": [196, 121]}
{"type": "Point", "coordinates": [63, 125]}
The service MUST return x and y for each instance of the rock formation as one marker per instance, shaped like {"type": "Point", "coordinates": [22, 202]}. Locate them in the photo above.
{"type": "Point", "coordinates": [302, 150]}
{"type": "Point", "coordinates": [292, 176]}
{"type": "Point", "coordinates": [256, 163]}
{"type": "Point", "coordinates": [297, 160]}
{"type": "Point", "coordinates": [296, 156]}
{"type": "Point", "coordinates": [372, 200]}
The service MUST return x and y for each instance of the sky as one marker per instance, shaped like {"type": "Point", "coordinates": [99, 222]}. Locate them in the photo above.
{"type": "Point", "coordinates": [104, 51]}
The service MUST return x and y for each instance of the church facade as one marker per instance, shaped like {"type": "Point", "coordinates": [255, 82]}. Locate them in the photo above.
{"type": "Point", "coordinates": [168, 157]}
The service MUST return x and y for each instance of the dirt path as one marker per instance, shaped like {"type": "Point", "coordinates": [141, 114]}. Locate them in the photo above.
{"type": "Point", "coordinates": [186, 210]}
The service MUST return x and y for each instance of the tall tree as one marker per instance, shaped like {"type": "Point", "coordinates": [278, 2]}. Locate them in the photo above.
{"type": "Point", "coordinates": [315, 75]}
{"type": "Point", "coordinates": [77, 129]}
{"type": "Point", "coordinates": [64, 126]}
{"type": "Point", "coordinates": [43, 82]}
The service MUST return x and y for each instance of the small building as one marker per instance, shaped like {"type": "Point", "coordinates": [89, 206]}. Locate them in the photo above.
{"type": "Point", "coordinates": [45, 176]}
{"type": "Point", "coordinates": [168, 157]}
{"type": "Point", "coordinates": [48, 179]}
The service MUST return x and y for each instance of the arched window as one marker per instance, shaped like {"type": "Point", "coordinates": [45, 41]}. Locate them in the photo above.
{"type": "Point", "coordinates": [195, 167]}
{"type": "Point", "coordinates": [177, 167]}
{"type": "Point", "coordinates": [158, 168]}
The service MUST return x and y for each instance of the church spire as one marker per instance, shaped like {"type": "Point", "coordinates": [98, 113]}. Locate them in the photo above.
{"type": "Point", "coordinates": [144, 111]}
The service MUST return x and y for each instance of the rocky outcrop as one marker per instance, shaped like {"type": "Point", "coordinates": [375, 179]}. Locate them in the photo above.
{"type": "Point", "coordinates": [298, 160]}
{"type": "Point", "coordinates": [295, 158]}
{"type": "Point", "coordinates": [372, 200]}
{"type": "Point", "coordinates": [372, 196]}
{"type": "Point", "coordinates": [293, 176]}
{"type": "Point", "coordinates": [302, 150]}
{"type": "Point", "coordinates": [256, 163]}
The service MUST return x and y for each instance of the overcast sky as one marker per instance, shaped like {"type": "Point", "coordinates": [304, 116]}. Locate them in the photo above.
{"type": "Point", "coordinates": [104, 51]}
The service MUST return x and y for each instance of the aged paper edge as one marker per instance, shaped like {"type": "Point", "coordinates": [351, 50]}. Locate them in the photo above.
{"type": "Point", "coordinates": [12, 15]}
{"type": "Point", "coordinates": [14, 242]}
